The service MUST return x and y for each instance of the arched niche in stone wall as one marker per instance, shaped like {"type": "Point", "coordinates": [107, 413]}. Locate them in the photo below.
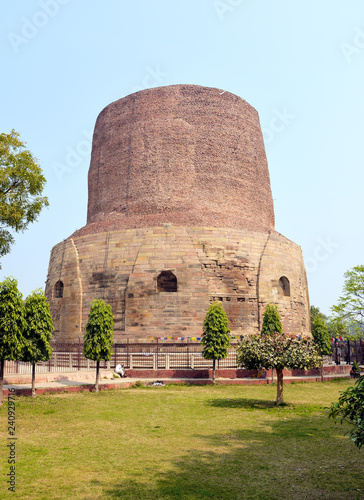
{"type": "Point", "coordinates": [166, 282]}
{"type": "Point", "coordinates": [58, 290]}
{"type": "Point", "coordinates": [284, 286]}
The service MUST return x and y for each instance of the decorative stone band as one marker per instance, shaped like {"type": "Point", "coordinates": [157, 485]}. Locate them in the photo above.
{"type": "Point", "coordinates": [243, 269]}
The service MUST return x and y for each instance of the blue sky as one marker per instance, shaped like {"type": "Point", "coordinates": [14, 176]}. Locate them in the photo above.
{"type": "Point", "coordinates": [302, 61]}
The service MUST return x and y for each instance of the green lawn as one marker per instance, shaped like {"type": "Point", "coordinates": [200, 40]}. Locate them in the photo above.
{"type": "Point", "coordinates": [179, 442]}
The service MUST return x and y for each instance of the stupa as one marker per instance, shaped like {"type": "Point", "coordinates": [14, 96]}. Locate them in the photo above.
{"type": "Point", "coordinates": [180, 214]}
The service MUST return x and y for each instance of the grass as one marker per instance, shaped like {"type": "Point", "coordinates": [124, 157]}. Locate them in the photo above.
{"type": "Point", "coordinates": [219, 442]}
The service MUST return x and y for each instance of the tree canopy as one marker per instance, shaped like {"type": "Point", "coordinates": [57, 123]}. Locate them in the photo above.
{"type": "Point", "coordinates": [215, 337]}
{"type": "Point", "coordinates": [37, 332]}
{"type": "Point", "coordinates": [275, 350]}
{"type": "Point", "coordinates": [278, 351]}
{"type": "Point", "coordinates": [350, 408]}
{"type": "Point", "coordinates": [98, 339]}
{"type": "Point", "coordinates": [314, 312]}
{"type": "Point", "coordinates": [321, 335]}
{"type": "Point", "coordinates": [271, 320]}
{"type": "Point", "coordinates": [38, 329]}
{"type": "Point", "coordinates": [21, 186]}
{"type": "Point", "coordinates": [12, 324]}
{"type": "Point", "coordinates": [348, 314]}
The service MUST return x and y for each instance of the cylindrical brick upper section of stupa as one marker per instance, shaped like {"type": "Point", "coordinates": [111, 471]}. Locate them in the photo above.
{"type": "Point", "coordinates": [183, 154]}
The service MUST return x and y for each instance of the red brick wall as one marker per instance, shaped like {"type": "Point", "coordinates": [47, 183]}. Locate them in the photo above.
{"type": "Point", "coordinates": [183, 154]}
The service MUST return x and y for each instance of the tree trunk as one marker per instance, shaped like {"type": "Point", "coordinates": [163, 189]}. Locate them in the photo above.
{"type": "Point", "coordinates": [279, 386]}
{"type": "Point", "coordinates": [33, 380]}
{"type": "Point", "coordinates": [322, 372]}
{"type": "Point", "coordinates": [97, 376]}
{"type": "Point", "coordinates": [213, 370]}
{"type": "Point", "coordinates": [2, 362]}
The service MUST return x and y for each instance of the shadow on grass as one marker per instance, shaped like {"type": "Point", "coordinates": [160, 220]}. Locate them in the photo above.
{"type": "Point", "coordinates": [247, 404]}
{"type": "Point", "coordinates": [281, 458]}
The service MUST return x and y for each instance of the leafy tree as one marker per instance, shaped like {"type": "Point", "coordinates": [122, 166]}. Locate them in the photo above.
{"type": "Point", "coordinates": [38, 331]}
{"type": "Point", "coordinates": [272, 349]}
{"type": "Point", "coordinates": [343, 327]}
{"type": "Point", "coordinates": [215, 337]}
{"type": "Point", "coordinates": [350, 408]}
{"type": "Point", "coordinates": [98, 339]}
{"type": "Point", "coordinates": [350, 308]}
{"type": "Point", "coordinates": [21, 186]}
{"type": "Point", "coordinates": [338, 327]}
{"type": "Point", "coordinates": [271, 320]}
{"type": "Point", "coordinates": [321, 336]}
{"type": "Point", "coordinates": [314, 312]}
{"type": "Point", "coordinates": [278, 351]}
{"type": "Point", "coordinates": [12, 325]}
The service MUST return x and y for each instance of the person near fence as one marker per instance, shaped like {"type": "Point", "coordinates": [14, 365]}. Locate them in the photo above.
{"type": "Point", "coordinates": [338, 355]}
{"type": "Point", "coordinates": [119, 369]}
{"type": "Point", "coordinates": [347, 356]}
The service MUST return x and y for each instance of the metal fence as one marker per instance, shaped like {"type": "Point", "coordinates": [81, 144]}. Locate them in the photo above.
{"type": "Point", "coordinates": [347, 351]}
{"type": "Point", "coordinates": [152, 355]}
{"type": "Point", "coordinates": [159, 355]}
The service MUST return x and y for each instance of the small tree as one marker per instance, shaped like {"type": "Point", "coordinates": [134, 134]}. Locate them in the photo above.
{"type": "Point", "coordinates": [38, 331]}
{"type": "Point", "coordinates": [321, 337]}
{"type": "Point", "coordinates": [314, 312]}
{"type": "Point", "coordinates": [271, 320]}
{"type": "Point", "coordinates": [278, 351]}
{"type": "Point", "coordinates": [11, 325]}
{"type": "Point", "coordinates": [273, 349]}
{"type": "Point", "coordinates": [98, 339]}
{"type": "Point", "coordinates": [215, 337]}
{"type": "Point", "coordinates": [350, 408]}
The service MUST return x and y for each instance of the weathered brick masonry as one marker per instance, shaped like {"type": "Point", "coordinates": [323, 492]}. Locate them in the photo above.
{"type": "Point", "coordinates": [180, 213]}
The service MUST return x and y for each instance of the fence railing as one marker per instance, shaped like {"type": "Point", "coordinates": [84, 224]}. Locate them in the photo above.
{"type": "Point", "coordinates": [157, 355]}
{"type": "Point", "coordinates": [152, 355]}
{"type": "Point", "coordinates": [348, 351]}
